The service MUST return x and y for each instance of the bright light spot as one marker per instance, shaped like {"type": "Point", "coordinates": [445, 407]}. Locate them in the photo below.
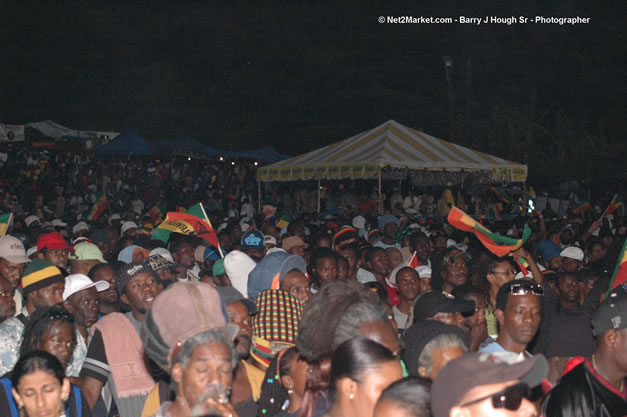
{"type": "Point", "coordinates": [232, 163]}
{"type": "Point", "coordinates": [256, 163]}
{"type": "Point", "coordinates": [189, 159]}
{"type": "Point", "coordinates": [221, 158]}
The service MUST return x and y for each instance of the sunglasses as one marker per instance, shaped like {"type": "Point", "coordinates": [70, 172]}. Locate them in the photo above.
{"type": "Point", "coordinates": [510, 398]}
{"type": "Point", "coordinates": [526, 288]}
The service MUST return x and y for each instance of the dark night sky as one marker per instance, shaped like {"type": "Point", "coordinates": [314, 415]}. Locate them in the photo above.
{"type": "Point", "coordinates": [247, 74]}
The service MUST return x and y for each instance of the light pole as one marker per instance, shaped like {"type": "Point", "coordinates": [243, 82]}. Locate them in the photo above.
{"type": "Point", "coordinates": [448, 68]}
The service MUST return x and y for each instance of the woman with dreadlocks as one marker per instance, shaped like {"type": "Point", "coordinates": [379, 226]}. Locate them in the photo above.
{"type": "Point", "coordinates": [51, 330]}
{"type": "Point", "coordinates": [283, 387]}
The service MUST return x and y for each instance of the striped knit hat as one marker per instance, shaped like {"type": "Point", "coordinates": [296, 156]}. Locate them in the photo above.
{"type": "Point", "coordinates": [40, 273]}
{"type": "Point", "coordinates": [276, 322]}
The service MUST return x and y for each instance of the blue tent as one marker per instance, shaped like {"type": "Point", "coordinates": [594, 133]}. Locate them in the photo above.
{"type": "Point", "coordinates": [129, 142]}
{"type": "Point", "coordinates": [267, 154]}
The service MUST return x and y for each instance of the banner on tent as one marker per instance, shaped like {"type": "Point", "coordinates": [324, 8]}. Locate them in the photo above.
{"type": "Point", "coordinates": [11, 133]}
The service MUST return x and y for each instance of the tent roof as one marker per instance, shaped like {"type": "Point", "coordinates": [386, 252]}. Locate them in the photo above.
{"type": "Point", "coordinates": [128, 142]}
{"type": "Point", "coordinates": [390, 145]}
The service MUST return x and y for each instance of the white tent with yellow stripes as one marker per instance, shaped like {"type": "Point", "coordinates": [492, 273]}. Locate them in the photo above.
{"type": "Point", "coordinates": [393, 150]}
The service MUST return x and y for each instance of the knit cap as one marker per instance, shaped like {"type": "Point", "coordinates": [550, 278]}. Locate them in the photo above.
{"type": "Point", "coordinates": [128, 272]}
{"type": "Point", "coordinates": [39, 274]}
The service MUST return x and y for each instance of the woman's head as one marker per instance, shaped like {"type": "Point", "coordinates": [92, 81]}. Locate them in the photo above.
{"type": "Point", "coordinates": [495, 272]}
{"type": "Point", "coordinates": [50, 329]}
{"type": "Point", "coordinates": [409, 397]}
{"type": "Point", "coordinates": [39, 384]}
{"type": "Point", "coordinates": [284, 384]}
{"type": "Point", "coordinates": [360, 370]}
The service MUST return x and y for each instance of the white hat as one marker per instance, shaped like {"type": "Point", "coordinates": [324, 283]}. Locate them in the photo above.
{"type": "Point", "coordinates": [163, 252]}
{"type": "Point", "coordinates": [269, 239]}
{"type": "Point", "coordinates": [128, 226]}
{"type": "Point", "coordinates": [237, 266]}
{"type": "Point", "coordinates": [80, 226]}
{"type": "Point", "coordinates": [222, 227]}
{"type": "Point", "coordinates": [31, 219]}
{"type": "Point", "coordinates": [59, 223]}
{"type": "Point", "coordinates": [244, 225]}
{"type": "Point", "coordinates": [114, 216]}
{"type": "Point", "coordinates": [572, 252]}
{"type": "Point", "coordinates": [275, 249]}
{"type": "Point", "coordinates": [359, 222]}
{"type": "Point", "coordinates": [12, 249]}
{"type": "Point", "coordinates": [78, 282]}
{"type": "Point", "coordinates": [450, 243]}
{"type": "Point", "coordinates": [520, 275]}
{"type": "Point", "coordinates": [424, 271]}
{"type": "Point", "coordinates": [31, 251]}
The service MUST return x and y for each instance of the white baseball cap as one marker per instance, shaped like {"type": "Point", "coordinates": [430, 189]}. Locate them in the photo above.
{"type": "Point", "coordinates": [12, 249]}
{"type": "Point", "coordinates": [31, 219]}
{"type": "Point", "coordinates": [59, 223]}
{"type": "Point", "coordinates": [163, 252]}
{"type": "Point", "coordinates": [424, 271]}
{"type": "Point", "coordinates": [79, 227]}
{"type": "Point", "coordinates": [78, 282]}
{"type": "Point", "coordinates": [128, 226]}
{"type": "Point", "coordinates": [572, 252]}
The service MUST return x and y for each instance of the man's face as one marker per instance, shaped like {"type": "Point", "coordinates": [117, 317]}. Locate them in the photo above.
{"type": "Point", "coordinates": [440, 357]}
{"type": "Point", "coordinates": [408, 284]}
{"type": "Point", "coordinates": [352, 258]}
{"type": "Point", "coordinates": [110, 295]}
{"type": "Point", "coordinates": [11, 272]}
{"type": "Point", "coordinates": [452, 319]}
{"type": "Point", "coordinates": [296, 284]}
{"type": "Point", "coordinates": [521, 317]}
{"type": "Point", "coordinates": [378, 265]}
{"type": "Point", "coordinates": [58, 340]}
{"type": "Point", "coordinates": [84, 307]}
{"type": "Point", "coordinates": [58, 257]}
{"type": "Point", "coordinates": [566, 237]}
{"type": "Point", "coordinates": [238, 314]}
{"type": "Point", "coordinates": [7, 303]}
{"type": "Point", "coordinates": [105, 248]}
{"type": "Point", "coordinates": [325, 269]}
{"type": "Point", "coordinates": [439, 242]}
{"type": "Point", "coordinates": [597, 252]}
{"type": "Point", "coordinates": [556, 263]}
{"type": "Point", "coordinates": [390, 229]}
{"type": "Point", "coordinates": [569, 289]}
{"type": "Point", "coordinates": [209, 370]}
{"type": "Point", "coordinates": [478, 316]}
{"type": "Point", "coordinates": [383, 333]}
{"type": "Point", "coordinates": [184, 255]}
{"type": "Point", "coordinates": [394, 256]}
{"type": "Point", "coordinates": [140, 292]}
{"type": "Point", "coordinates": [297, 250]}
{"type": "Point", "coordinates": [485, 408]}
{"type": "Point", "coordinates": [422, 248]}
{"type": "Point", "coordinates": [49, 295]}
{"type": "Point", "coordinates": [255, 254]}
{"type": "Point", "coordinates": [570, 265]}
{"type": "Point", "coordinates": [456, 273]}
{"type": "Point", "coordinates": [342, 269]}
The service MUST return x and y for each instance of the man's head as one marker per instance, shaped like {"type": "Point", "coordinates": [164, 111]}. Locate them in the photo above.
{"type": "Point", "coordinates": [323, 265]}
{"type": "Point", "coordinates": [13, 259]}
{"type": "Point", "coordinates": [239, 311]}
{"type": "Point", "coordinates": [420, 244]}
{"type": "Point", "coordinates": [487, 385]}
{"type": "Point", "coordinates": [106, 273]}
{"type": "Point", "coordinates": [80, 298]}
{"type": "Point", "coordinates": [183, 253]}
{"type": "Point", "coordinates": [253, 244]}
{"type": "Point", "coordinates": [52, 247]}
{"type": "Point", "coordinates": [470, 292]}
{"type": "Point", "coordinates": [86, 256]}
{"type": "Point", "coordinates": [388, 224]}
{"type": "Point", "coordinates": [7, 303]}
{"type": "Point", "coordinates": [351, 254]}
{"type": "Point", "coordinates": [408, 283]}
{"type": "Point", "coordinates": [568, 287]}
{"type": "Point", "coordinates": [572, 259]}
{"type": "Point", "coordinates": [518, 311]}
{"type": "Point", "coordinates": [377, 261]}
{"type": "Point", "coordinates": [610, 328]}
{"type": "Point", "coordinates": [43, 284]}
{"type": "Point", "coordinates": [446, 309]}
{"type": "Point", "coordinates": [294, 245]}
{"type": "Point", "coordinates": [454, 268]}
{"type": "Point", "coordinates": [138, 286]}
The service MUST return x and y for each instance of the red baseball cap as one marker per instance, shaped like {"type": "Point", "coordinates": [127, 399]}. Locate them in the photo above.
{"type": "Point", "coordinates": [52, 241]}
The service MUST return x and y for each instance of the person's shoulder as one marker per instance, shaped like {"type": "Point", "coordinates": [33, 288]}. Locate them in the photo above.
{"type": "Point", "coordinates": [489, 345]}
{"type": "Point", "coordinates": [10, 326]}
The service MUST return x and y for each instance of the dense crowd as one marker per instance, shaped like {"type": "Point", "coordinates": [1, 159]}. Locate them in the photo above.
{"type": "Point", "coordinates": [350, 313]}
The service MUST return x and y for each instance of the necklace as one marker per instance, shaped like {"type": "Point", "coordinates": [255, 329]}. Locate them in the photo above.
{"type": "Point", "coordinates": [594, 365]}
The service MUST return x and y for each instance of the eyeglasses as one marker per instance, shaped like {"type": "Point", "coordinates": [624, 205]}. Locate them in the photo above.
{"type": "Point", "coordinates": [510, 398]}
{"type": "Point", "coordinates": [526, 288]}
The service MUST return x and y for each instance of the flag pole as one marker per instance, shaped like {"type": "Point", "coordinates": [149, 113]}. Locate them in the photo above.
{"type": "Point", "coordinates": [608, 207]}
{"type": "Point", "coordinates": [204, 213]}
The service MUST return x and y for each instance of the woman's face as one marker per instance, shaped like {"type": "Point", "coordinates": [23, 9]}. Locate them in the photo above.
{"type": "Point", "coordinates": [41, 394]}
{"type": "Point", "coordinates": [58, 341]}
{"type": "Point", "coordinates": [298, 373]}
{"type": "Point", "coordinates": [373, 383]}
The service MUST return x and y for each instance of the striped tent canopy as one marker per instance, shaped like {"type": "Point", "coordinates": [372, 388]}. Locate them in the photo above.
{"type": "Point", "coordinates": [393, 150]}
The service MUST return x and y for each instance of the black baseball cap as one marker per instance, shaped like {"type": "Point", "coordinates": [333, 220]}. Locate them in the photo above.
{"type": "Point", "coordinates": [230, 295]}
{"type": "Point", "coordinates": [483, 368]}
{"type": "Point", "coordinates": [434, 302]}
{"type": "Point", "coordinates": [611, 314]}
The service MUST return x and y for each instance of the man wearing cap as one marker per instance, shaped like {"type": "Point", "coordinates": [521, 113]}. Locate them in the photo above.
{"type": "Point", "coordinates": [43, 285]}
{"type": "Point", "coordinates": [80, 229]}
{"type": "Point", "coordinates": [253, 245]}
{"type": "Point", "coordinates": [108, 300]}
{"type": "Point", "coordinates": [454, 269]}
{"type": "Point", "coordinates": [388, 224]}
{"type": "Point", "coordinates": [86, 256]}
{"type": "Point", "coordinates": [294, 245]}
{"type": "Point", "coordinates": [7, 303]}
{"type": "Point", "coordinates": [80, 298]}
{"type": "Point", "coordinates": [116, 354]}
{"type": "Point", "coordinates": [198, 352]}
{"type": "Point", "coordinates": [101, 238]}
{"type": "Point", "coordinates": [572, 259]}
{"type": "Point", "coordinates": [13, 260]}
{"type": "Point", "coordinates": [596, 387]}
{"type": "Point", "coordinates": [271, 272]}
{"type": "Point", "coordinates": [52, 247]}
{"type": "Point", "coordinates": [488, 385]}
{"type": "Point", "coordinates": [247, 378]}
{"type": "Point", "coordinates": [519, 312]}
{"type": "Point", "coordinates": [444, 308]}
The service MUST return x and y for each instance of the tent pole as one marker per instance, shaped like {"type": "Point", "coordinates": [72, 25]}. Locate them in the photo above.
{"type": "Point", "coordinates": [258, 195]}
{"type": "Point", "coordinates": [380, 196]}
{"type": "Point", "coordinates": [318, 196]}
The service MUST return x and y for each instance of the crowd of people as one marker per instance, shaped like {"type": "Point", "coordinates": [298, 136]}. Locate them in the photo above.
{"type": "Point", "coordinates": [348, 314]}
